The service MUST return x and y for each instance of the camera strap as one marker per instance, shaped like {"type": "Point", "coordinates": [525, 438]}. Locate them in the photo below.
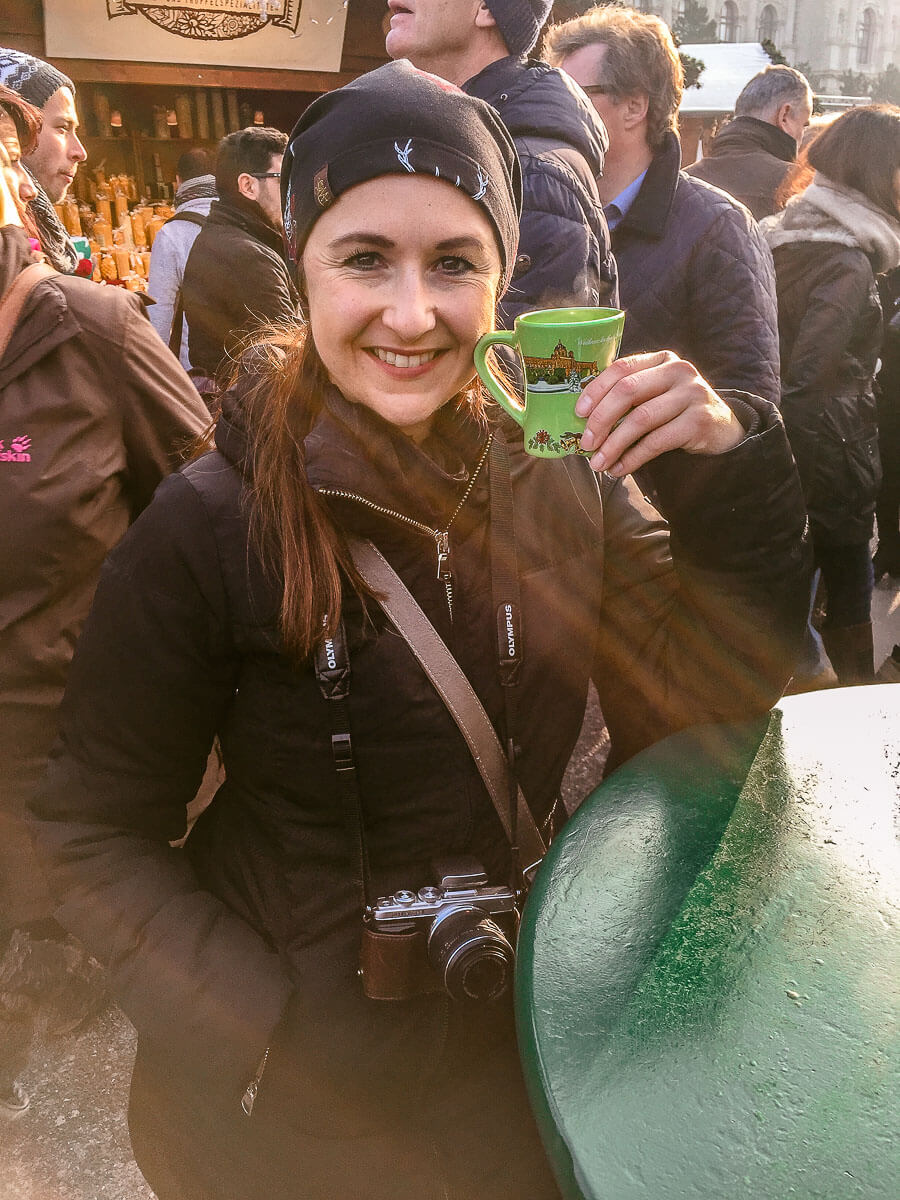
{"type": "Point", "coordinates": [497, 769]}
{"type": "Point", "coordinates": [332, 663]}
{"type": "Point", "coordinates": [508, 616]}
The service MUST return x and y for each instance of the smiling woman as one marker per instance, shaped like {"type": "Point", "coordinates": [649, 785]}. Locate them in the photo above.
{"type": "Point", "coordinates": [297, 1034]}
{"type": "Point", "coordinates": [397, 309]}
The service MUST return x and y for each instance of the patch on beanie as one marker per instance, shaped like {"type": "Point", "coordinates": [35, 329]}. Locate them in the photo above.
{"type": "Point", "coordinates": [322, 189]}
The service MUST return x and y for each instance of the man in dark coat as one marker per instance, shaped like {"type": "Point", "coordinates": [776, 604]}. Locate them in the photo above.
{"type": "Point", "coordinates": [236, 278]}
{"type": "Point", "coordinates": [752, 156]}
{"type": "Point", "coordinates": [695, 274]}
{"type": "Point", "coordinates": [564, 255]}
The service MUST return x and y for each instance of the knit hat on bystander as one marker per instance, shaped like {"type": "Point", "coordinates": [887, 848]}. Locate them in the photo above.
{"type": "Point", "coordinates": [520, 22]}
{"type": "Point", "coordinates": [34, 80]}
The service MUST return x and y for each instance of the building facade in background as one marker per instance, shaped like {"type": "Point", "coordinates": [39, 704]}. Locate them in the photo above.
{"type": "Point", "coordinates": [831, 36]}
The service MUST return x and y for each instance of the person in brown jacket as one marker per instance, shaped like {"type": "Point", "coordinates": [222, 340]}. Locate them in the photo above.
{"type": "Point", "coordinates": [751, 157]}
{"type": "Point", "coordinates": [94, 412]}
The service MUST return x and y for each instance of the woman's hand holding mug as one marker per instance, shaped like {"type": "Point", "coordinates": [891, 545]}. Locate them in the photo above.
{"type": "Point", "coordinates": [647, 404]}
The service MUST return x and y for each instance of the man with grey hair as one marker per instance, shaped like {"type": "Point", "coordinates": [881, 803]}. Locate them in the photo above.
{"type": "Point", "coordinates": [751, 157]}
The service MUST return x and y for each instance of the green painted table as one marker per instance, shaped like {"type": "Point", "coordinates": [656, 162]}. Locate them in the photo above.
{"type": "Point", "coordinates": [708, 969]}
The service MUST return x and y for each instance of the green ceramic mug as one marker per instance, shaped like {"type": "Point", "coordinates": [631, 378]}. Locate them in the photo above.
{"type": "Point", "coordinates": [561, 350]}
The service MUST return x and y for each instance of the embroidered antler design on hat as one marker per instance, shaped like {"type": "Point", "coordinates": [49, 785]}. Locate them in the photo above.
{"type": "Point", "coordinates": [414, 123]}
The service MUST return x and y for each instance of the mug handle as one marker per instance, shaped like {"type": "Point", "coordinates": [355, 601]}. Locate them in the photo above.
{"type": "Point", "coordinates": [499, 337]}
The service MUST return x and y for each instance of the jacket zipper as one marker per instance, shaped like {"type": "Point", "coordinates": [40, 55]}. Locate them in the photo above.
{"type": "Point", "coordinates": [249, 1097]}
{"type": "Point", "coordinates": [441, 536]}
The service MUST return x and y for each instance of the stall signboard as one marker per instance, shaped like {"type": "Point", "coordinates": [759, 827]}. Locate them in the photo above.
{"type": "Point", "coordinates": [304, 35]}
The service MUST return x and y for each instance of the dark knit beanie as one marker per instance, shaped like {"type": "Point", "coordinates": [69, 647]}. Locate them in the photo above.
{"type": "Point", "coordinates": [398, 120]}
{"type": "Point", "coordinates": [33, 79]}
{"type": "Point", "coordinates": [520, 22]}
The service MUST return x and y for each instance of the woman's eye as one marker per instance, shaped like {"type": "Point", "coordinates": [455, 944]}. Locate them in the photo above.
{"type": "Point", "coordinates": [452, 264]}
{"type": "Point", "coordinates": [363, 260]}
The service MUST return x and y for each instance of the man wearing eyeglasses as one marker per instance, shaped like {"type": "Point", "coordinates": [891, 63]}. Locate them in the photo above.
{"type": "Point", "coordinates": [236, 277]}
{"type": "Point", "coordinates": [695, 274]}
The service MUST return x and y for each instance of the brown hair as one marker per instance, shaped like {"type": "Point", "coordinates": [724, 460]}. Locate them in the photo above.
{"type": "Point", "coordinates": [861, 150]}
{"type": "Point", "coordinates": [26, 118]}
{"type": "Point", "coordinates": [292, 530]}
{"type": "Point", "coordinates": [640, 57]}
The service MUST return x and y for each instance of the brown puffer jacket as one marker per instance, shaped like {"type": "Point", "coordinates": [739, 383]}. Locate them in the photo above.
{"type": "Point", "coordinates": [94, 412]}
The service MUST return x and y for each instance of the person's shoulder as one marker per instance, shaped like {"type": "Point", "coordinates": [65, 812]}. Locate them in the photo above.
{"type": "Point", "coordinates": [102, 310]}
{"type": "Point", "coordinates": [233, 247]}
{"type": "Point", "coordinates": [546, 112]}
{"type": "Point", "coordinates": [701, 196]}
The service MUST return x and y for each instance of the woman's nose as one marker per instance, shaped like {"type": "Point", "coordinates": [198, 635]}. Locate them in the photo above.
{"type": "Point", "coordinates": [410, 310]}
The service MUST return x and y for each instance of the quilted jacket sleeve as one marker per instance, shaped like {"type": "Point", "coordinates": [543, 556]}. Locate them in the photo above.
{"type": "Point", "coordinates": [564, 253]}
{"type": "Point", "coordinates": [732, 306]}
{"type": "Point", "coordinates": [703, 618]}
{"type": "Point", "coordinates": [150, 681]}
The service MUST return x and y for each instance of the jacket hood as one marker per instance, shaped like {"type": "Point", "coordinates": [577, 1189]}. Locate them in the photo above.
{"type": "Point", "coordinates": [745, 135]}
{"type": "Point", "coordinates": [536, 100]}
{"type": "Point", "coordinates": [15, 255]}
{"type": "Point", "coordinates": [829, 213]}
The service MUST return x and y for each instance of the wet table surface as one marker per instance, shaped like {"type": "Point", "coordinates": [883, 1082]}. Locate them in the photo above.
{"type": "Point", "coordinates": [707, 988]}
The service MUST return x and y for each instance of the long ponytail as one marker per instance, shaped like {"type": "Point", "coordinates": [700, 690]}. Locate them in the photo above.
{"type": "Point", "coordinates": [297, 541]}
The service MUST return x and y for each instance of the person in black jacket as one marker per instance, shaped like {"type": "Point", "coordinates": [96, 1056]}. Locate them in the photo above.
{"type": "Point", "coordinates": [886, 560]}
{"type": "Point", "coordinates": [829, 245]}
{"type": "Point", "coordinates": [262, 1067]}
{"type": "Point", "coordinates": [236, 278]}
{"type": "Point", "coordinates": [564, 257]}
{"type": "Point", "coordinates": [695, 274]}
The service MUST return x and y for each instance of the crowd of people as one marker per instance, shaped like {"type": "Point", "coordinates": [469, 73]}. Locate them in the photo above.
{"type": "Point", "coordinates": [186, 547]}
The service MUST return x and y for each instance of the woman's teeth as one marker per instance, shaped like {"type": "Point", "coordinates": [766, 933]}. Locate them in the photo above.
{"type": "Point", "coordinates": [404, 360]}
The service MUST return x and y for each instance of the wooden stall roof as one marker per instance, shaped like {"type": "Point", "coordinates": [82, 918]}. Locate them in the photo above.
{"type": "Point", "coordinates": [22, 28]}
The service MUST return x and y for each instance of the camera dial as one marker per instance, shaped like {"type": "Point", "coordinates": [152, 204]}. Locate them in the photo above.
{"type": "Point", "coordinates": [471, 953]}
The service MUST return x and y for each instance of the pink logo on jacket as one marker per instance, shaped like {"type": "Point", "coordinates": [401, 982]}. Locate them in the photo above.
{"type": "Point", "coordinates": [18, 450]}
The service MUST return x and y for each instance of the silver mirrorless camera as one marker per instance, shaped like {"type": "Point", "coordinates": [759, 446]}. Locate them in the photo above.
{"type": "Point", "coordinates": [469, 928]}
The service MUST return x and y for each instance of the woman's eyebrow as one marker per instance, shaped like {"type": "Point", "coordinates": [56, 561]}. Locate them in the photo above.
{"type": "Point", "coordinates": [464, 242]}
{"type": "Point", "coordinates": [370, 239]}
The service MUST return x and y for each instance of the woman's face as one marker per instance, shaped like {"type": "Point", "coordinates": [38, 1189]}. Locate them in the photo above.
{"type": "Point", "coordinates": [11, 161]}
{"type": "Point", "coordinates": [401, 278]}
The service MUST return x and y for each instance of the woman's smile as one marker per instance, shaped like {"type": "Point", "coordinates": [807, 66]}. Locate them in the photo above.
{"type": "Point", "coordinates": [405, 366]}
{"type": "Point", "coordinates": [401, 277]}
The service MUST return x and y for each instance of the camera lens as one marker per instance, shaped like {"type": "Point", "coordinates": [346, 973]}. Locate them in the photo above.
{"type": "Point", "coordinates": [471, 953]}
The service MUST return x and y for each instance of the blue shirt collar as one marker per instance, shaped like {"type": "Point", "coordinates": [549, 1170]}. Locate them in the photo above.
{"type": "Point", "coordinates": [617, 209]}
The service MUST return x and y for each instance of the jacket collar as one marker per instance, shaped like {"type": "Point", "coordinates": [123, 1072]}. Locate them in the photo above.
{"type": "Point", "coordinates": [352, 449]}
{"type": "Point", "coordinates": [245, 215]}
{"type": "Point", "coordinates": [649, 213]}
{"type": "Point", "coordinates": [827, 212]}
{"type": "Point", "coordinates": [744, 134]}
{"type": "Point", "coordinates": [535, 100]}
